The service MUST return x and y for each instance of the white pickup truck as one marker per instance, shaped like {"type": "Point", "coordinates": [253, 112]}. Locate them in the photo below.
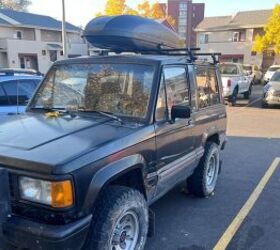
{"type": "Point", "coordinates": [235, 81]}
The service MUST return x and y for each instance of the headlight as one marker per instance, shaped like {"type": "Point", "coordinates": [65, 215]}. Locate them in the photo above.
{"type": "Point", "coordinates": [55, 194]}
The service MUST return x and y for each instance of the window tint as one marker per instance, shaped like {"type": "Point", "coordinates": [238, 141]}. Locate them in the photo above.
{"type": "Point", "coordinates": [176, 87]}
{"type": "Point", "coordinates": [161, 110]}
{"type": "Point", "coordinates": [3, 98]}
{"type": "Point", "coordinates": [207, 87]}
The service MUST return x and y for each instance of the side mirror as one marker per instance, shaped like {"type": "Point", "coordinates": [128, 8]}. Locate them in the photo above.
{"type": "Point", "coordinates": [183, 112]}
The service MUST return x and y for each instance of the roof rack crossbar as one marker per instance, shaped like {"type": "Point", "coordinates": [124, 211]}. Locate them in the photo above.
{"type": "Point", "coordinates": [191, 53]}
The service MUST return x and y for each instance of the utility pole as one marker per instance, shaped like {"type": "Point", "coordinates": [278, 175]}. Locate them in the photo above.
{"type": "Point", "coordinates": [64, 37]}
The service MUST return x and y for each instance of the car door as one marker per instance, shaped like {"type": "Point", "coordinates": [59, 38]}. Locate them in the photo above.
{"type": "Point", "coordinates": [244, 81]}
{"type": "Point", "coordinates": [174, 140]}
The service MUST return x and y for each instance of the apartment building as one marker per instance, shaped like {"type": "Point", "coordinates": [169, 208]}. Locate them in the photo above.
{"type": "Point", "coordinates": [187, 16]}
{"type": "Point", "coordinates": [35, 41]}
{"type": "Point", "coordinates": [234, 37]}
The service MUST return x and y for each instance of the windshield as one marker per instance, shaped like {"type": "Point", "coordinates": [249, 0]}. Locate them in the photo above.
{"type": "Point", "coordinates": [120, 89]}
{"type": "Point", "coordinates": [273, 69]}
{"type": "Point", "coordinates": [276, 77]}
{"type": "Point", "coordinates": [228, 69]}
{"type": "Point", "coordinates": [247, 67]}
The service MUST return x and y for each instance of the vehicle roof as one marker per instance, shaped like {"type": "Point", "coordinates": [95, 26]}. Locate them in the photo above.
{"type": "Point", "coordinates": [13, 78]}
{"type": "Point", "coordinates": [130, 58]}
{"type": "Point", "coordinates": [274, 66]}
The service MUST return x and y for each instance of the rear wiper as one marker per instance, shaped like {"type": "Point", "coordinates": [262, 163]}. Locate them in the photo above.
{"type": "Point", "coordinates": [107, 114]}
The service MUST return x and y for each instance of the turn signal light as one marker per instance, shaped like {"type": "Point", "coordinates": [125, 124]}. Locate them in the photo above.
{"type": "Point", "coordinates": [62, 194]}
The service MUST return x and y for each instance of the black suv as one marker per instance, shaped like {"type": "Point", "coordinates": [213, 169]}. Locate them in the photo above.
{"type": "Point", "coordinates": [103, 138]}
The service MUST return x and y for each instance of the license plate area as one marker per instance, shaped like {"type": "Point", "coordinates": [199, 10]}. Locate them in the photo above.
{"type": "Point", "coordinates": [5, 205]}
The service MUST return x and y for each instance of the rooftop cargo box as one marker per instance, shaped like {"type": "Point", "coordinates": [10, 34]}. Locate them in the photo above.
{"type": "Point", "coordinates": [122, 33]}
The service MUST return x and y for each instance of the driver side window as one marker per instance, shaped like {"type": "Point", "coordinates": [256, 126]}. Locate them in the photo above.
{"type": "Point", "coordinates": [173, 91]}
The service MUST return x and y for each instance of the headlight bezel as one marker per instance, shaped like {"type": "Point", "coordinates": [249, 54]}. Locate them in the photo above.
{"type": "Point", "coordinates": [41, 203]}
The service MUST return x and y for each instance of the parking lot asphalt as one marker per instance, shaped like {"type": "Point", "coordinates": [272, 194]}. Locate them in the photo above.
{"type": "Point", "coordinates": [184, 222]}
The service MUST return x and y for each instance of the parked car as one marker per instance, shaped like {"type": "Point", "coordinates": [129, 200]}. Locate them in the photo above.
{"type": "Point", "coordinates": [106, 136]}
{"type": "Point", "coordinates": [19, 72]}
{"type": "Point", "coordinates": [15, 92]}
{"type": "Point", "coordinates": [271, 91]}
{"type": "Point", "coordinates": [91, 171]}
{"type": "Point", "coordinates": [270, 72]}
{"type": "Point", "coordinates": [235, 81]}
{"type": "Point", "coordinates": [254, 72]}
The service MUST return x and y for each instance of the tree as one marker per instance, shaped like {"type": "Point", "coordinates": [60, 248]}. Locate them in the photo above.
{"type": "Point", "coordinates": [19, 5]}
{"type": "Point", "coordinates": [145, 9]}
{"type": "Point", "coordinates": [115, 7]}
{"type": "Point", "coordinates": [271, 37]}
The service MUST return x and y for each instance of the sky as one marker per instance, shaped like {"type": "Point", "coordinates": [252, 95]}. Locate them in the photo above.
{"type": "Point", "coordinates": [79, 12]}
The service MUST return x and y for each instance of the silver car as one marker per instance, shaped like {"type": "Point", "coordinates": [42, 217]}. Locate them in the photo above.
{"type": "Point", "coordinates": [271, 91]}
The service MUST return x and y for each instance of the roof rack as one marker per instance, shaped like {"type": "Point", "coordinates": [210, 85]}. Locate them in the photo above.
{"type": "Point", "coordinates": [191, 54]}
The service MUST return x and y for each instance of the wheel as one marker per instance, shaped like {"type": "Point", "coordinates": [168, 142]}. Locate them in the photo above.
{"type": "Point", "coordinates": [203, 181]}
{"type": "Point", "coordinates": [233, 98]}
{"type": "Point", "coordinates": [264, 105]}
{"type": "Point", "coordinates": [120, 220]}
{"type": "Point", "coordinates": [247, 94]}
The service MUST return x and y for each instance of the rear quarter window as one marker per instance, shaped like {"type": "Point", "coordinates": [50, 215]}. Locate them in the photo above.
{"type": "Point", "coordinates": [207, 86]}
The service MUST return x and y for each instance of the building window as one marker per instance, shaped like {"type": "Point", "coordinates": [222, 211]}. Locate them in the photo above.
{"type": "Point", "coordinates": [204, 38]}
{"type": "Point", "coordinates": [183, 13]}
{"type": "Point", "coordinates": [239, 36]}
{"type": "Point", "coordinates": [253, 53]}
{"type": "Point", "coordinates": [53, 55]}
{"type": "Point", "coordinates": [19, 35]}
{"type": "Point", "coordinates": [183, 6]}
{"type": "Point", "coordinates": [182, 29]}
{"type": "Point", "coordinates": [182, 21]}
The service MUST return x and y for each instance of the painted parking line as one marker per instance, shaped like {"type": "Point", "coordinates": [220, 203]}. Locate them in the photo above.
{"type": "Point", "coordinates": [244, 211]}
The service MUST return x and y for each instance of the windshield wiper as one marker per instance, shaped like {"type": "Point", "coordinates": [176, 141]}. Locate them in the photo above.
{"type": "Point", "coordinates": [107, 114]}
{"type": "Point", "coordinates": [60, 111]}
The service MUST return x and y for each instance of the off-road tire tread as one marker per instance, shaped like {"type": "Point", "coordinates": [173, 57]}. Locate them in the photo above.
{"type": "Point", "coordinates": [109, 201]}
{"type": "Point", "coordinates": [195, 182]}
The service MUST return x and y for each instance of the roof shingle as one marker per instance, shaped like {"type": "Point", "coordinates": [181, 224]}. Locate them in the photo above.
{"type": "Point", "coordinates": [243, 19]}
{"type": "Point", "coordinates": [30, 19]}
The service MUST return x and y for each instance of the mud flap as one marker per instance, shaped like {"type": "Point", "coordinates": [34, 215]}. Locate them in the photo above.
{"type": "Point", "coordinates": [5, 207]}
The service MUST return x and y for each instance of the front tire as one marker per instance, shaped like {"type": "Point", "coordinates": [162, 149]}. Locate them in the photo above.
{"type": "Point", "coordinates": [233, 98]}
{"type": "Point", "coordinates": [120, 220]}
{"type": "Point", "coordinates": [203, 181]}
{"type": "Point", "coordinates": [248, 93]}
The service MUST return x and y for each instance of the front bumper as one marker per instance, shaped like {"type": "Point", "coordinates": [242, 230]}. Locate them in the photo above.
{"type": "Point", "coordinates": [25, 234]}
{"type": "Point", "coordinates": [271, 99]}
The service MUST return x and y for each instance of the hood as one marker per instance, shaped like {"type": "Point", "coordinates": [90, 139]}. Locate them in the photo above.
{"type": "Point", "coordinates": [27, 141]}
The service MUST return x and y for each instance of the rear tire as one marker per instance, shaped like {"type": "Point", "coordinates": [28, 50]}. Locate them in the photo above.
{"type": "Point", "coordinates": [120, 220]}
{"type": "Point", "coordinates": [203, 181]}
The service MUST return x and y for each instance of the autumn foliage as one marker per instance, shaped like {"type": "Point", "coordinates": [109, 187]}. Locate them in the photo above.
{"type": "Point", "coordinates": [145, 9]}
{"type": "Point", "coordinates": [271, 38]}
